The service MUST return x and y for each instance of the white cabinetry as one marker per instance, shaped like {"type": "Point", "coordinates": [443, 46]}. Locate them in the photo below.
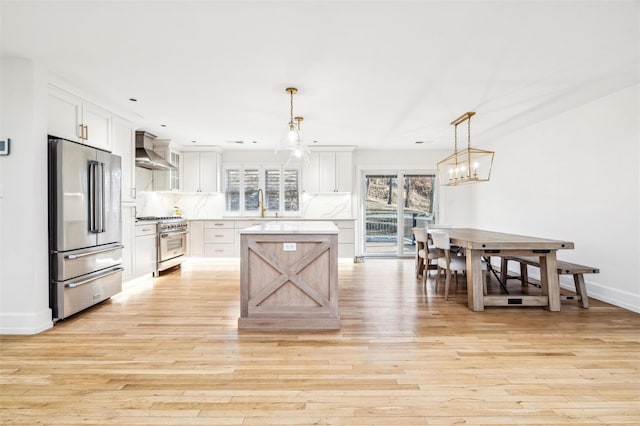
{"type": "Point", "coordinates": [128, 241]}
{"type": "Point", "coordinates": [330, 171]}
{"type": "Point", "coordinates": [195, 238]}
{"type": "Point", "coordinates": [346, 238]}
{"type": "Point", "coordinates": [219, 238]}
{"type": "Point", "coordinates": [124, 145]}
{"type": "Point", "coordinates": [162, 179]}
{"type": "Point", "coordinates": [146, 251]}
{"type": "Point", "coordinates": [73, 118]}
{"type": "Point", "coordinates": [201, 171]}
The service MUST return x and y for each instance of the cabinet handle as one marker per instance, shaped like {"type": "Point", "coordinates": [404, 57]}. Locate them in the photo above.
{"type": "Point", "coordinates": [81, 135]}
{"type": "Point", "coordinates": [218, 236]}
{"type": "Point", "coordinates": [86, 132]}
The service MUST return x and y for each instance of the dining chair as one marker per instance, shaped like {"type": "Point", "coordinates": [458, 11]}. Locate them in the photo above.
{"type": "Point", "coordinates": [448, 261]}
{"type": "Point", "coordinates": [425, 253]}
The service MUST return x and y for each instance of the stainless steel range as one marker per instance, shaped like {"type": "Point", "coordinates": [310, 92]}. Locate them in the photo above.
{"type": "Point", "coordinates": [171, 240]}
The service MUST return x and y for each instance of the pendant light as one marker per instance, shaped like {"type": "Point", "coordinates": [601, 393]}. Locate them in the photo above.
{"type": "Point", "coordinates": [470, 165]}
{"type": "Point", "coordinates": [293, 140]}
{"type": "Point", "coordinates": [299, 150]}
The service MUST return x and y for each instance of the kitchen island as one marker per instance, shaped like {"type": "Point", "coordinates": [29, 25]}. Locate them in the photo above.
{"type": "Point", "coordinates": [289, 276]}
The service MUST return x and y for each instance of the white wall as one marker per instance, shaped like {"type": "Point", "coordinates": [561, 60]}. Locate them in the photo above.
{"type": "Point", "coordinates": [572, 177]}
{"type": "Point", "coordinates": [24, 273]}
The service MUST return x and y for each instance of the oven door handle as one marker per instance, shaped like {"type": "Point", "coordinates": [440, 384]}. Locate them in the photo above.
{"type": "Point", "coordinates": [168, 234]}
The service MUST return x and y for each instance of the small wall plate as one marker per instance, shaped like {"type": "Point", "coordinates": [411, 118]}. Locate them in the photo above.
{"type": "Point", "coordinates": [4, 147]}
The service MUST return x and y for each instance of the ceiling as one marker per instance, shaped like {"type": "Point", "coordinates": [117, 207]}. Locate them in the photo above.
{"type": "Point", "coordinates": [375, 74]}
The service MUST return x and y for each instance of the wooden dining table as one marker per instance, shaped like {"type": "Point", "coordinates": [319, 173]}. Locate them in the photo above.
{"type": "Point", "coordinates": [480, 244]}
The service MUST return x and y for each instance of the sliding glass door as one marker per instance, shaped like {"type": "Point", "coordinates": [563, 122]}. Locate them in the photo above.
{"type": "Point", "coordinates": [394, 203]}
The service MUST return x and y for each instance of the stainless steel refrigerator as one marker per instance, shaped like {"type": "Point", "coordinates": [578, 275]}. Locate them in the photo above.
{"type": "Point", "coordinates": [85, 226]}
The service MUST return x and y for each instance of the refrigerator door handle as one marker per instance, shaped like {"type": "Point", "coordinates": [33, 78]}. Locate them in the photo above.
{"type": "Point", "coordinates": [101, 200]}
{"type": "Point", "coordinates": [88, 280]}
{"type": "Point", "coordinates": [92, 197]}
{"type": "Point", "coordinates": [75, 256]}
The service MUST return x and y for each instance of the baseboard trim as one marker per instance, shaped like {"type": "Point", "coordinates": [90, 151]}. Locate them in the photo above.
{"type": "Point", "coordinates": [19, 323]}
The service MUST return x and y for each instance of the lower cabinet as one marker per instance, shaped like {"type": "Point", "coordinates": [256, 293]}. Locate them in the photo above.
{"type": "Point", "coordinates": [128, 241]}
{"type": "Point", "coordinates": [146, 251]}
{"type": "Point", "coordinates": [221, 238]}
{"type": "Point", "coordinates": [346, 238]}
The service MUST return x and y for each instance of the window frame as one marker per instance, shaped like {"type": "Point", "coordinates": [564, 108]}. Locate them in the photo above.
{"type": "Point", "coordinates": [262, 168]}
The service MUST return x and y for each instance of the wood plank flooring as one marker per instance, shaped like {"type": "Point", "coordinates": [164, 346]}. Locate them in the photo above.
{"type": "Point", "coordinates": [167, 352]}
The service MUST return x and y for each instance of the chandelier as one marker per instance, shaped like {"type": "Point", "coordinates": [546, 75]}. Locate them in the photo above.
{"type": "Point", "coordinates": [468, 165]}
{"type": "Point", "coordinates": [293, 140]}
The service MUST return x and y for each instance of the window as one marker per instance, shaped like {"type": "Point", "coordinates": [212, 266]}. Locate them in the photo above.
{"type": "Point", "coordinates": [395, 203]}
{"type": "Point", "coordinates": [232, 190]}
{"type": "Point", "coordinates": [174, 175]}
{"type": "Point", "coordinates": [251, 185]}
{"type": "Point", "coordinates": [280, 189]}
{"type": "Point", "coordinates": [272, 189]}
{"type": "Point", "coordinates": [291, 191]}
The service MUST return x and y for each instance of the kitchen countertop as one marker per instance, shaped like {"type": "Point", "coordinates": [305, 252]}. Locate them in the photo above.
{"type": "Point", "coordinates": [273, 218]}
{"type": "Point", "coordinates": [292, 227]}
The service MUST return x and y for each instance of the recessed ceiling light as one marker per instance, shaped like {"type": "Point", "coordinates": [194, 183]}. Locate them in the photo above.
{"type": "Point", "coordinates": [193, 141]}
{"type": "Point", "coordinates": [254, 142]}
{"type": "Point", "coordinates": [419, 142]}
{"type": "Point", "coordinates": [315, 141]}
{"type": "Point", "coordinates": [133, 99]}
{"type": "Point", "coordinates": [163, 125]}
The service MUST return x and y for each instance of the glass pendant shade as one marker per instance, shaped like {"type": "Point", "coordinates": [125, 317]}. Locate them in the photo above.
{"type": "Point", "coordinates": [292, 141]}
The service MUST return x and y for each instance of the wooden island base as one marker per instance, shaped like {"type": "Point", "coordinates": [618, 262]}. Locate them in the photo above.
{"type": "Point", "coordinates": [289, 276]}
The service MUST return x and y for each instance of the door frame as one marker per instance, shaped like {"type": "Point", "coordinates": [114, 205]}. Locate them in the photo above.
{"type": "Point", "coordinates": [361, 197]}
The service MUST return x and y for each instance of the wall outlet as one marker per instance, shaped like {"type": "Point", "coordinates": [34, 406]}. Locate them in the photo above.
{"type": "Point", "coordinates": [289, 246]}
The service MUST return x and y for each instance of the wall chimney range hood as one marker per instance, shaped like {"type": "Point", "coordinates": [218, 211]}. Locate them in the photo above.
{"type": "Point", "coordinates": [146, 157]}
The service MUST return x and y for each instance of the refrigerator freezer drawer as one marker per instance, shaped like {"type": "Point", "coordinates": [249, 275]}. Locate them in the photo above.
{"type": "Point", "coordinates": [71, 264]}
{"type": "Point", "coordinates": [75, 295]}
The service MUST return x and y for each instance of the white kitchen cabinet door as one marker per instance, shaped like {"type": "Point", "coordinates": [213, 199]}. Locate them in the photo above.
{"type": "Point", "coordinates": [64, 115]}
{"type": "Point", "coordinates": [70, 117]}
{"type": "Point", "coordinates": [344, 171]}
{"type": "Point", "coordinates": [327, 178]}
{"type": "Point", "coordinates": [311, 174]}
{"type": "Point", "coordinates": [168, 180]}
{"type": "Point", "coordinates": [201, 171]}
{"type": "Point", "coordinates": [128, 241]}
{"type": "Point", "coordinates": [330, 171]}
{"type": "Point", "coordinates": [191, 171]}
{"type": "Point", "coordinates": [209, 167]}
{"type": "Point", "coordinates": [97, 122]}
{"type": "Point", "coordinates": [124, 145]}
{"type": "Point", "coordinates": [196, 238]}
{"type": "Point", "coordinates": [145, 253]}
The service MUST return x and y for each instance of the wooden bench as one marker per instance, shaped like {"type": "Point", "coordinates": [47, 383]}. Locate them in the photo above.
{"type": "Point", "coordinates": [564, 268]}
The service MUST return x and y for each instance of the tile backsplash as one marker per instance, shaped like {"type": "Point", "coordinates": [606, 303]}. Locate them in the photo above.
{"type": "Point", "coordinates": [331, 205]}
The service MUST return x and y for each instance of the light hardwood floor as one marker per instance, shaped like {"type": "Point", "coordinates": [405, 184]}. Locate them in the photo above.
{"type": "Point", "coordinates": [167, 352]}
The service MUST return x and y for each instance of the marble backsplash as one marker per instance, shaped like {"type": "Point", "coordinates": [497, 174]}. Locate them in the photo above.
{"type": "Point", "coordinates": [330, 205]}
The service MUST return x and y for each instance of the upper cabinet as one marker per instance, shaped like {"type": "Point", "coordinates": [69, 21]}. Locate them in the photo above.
{"type": "Point", "coordinates": [73, 118]}
{"type": "Point", "coordinates": [200, 171]}
{"type": "Point", "coordinates": [167, 180]}
{"type": "Point", "coordinates": [124, 145]}
{"type": "Point", "coordinates": [330, 171]}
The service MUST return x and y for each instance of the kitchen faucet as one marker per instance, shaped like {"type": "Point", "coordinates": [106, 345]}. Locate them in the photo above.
{"type": "Point", "coordinates": [261, 201]}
